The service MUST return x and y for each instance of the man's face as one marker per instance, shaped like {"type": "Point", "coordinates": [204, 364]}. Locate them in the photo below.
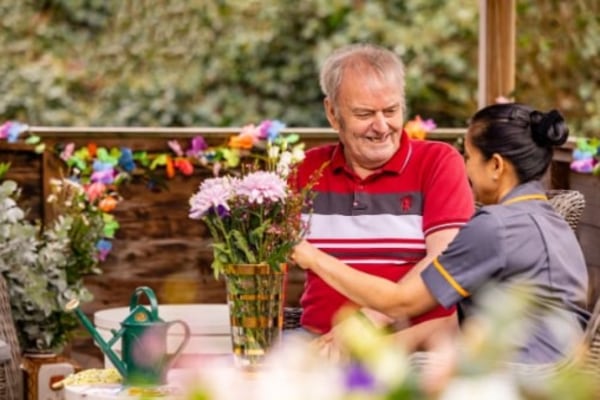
{"type": "Point", "coordinates": [369, 119]}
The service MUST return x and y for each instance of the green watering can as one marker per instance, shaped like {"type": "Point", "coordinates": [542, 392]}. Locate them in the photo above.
{"type": "Point", "coordinates": [143, 341]}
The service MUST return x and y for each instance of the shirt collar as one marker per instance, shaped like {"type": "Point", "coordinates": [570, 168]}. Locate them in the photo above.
{"type": "Point", "coordinates": [396, 164]}
{"type": "Point", "coordinates": [529, 190]}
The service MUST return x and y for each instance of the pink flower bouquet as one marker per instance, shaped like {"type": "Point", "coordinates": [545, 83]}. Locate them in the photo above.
{"type": "Point", "coordinates": [253, 217]}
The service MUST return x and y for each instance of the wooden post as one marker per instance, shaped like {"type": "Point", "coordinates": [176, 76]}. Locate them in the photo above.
{"type": "Point", "coordinates": [496, 50]}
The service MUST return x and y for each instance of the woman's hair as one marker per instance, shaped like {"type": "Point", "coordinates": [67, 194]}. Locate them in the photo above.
{"type": "Point", "coordinates": [366, 57]}
{"type": "Point", "coordinates": [520, 134]}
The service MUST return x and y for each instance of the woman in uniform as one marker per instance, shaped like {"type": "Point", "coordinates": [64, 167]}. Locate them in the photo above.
{"type": "Point", "coordinates": [515, 240]}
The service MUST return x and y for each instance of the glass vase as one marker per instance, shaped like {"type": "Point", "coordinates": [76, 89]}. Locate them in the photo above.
{"type": "Point", "coordinates": [255, 296]}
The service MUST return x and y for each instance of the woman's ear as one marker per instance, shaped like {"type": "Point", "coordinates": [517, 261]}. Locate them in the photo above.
{"type": "Point", "coordinates": [497, 165]}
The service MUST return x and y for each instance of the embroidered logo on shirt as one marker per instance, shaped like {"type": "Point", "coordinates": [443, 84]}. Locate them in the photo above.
{"type": "Point", "coordinates": [406, 203]}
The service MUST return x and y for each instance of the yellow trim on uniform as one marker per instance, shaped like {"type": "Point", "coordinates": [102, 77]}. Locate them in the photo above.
{"type": "Point", "coordinates": [449, 278]}
{"type": "Point", "coordinates": [525, 198]}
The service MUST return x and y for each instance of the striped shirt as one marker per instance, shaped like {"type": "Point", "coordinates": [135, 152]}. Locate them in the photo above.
{"type": "Point", "coordinates": [379, 224]}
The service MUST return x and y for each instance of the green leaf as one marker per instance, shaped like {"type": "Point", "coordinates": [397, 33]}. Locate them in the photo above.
{"type": "Point", "coordinates": [257, 234]}
{"type": "Point", "coordinates": [142, 158]}
{"type": "Point", "coordinates": [77, 162]}
{"type": "Point", "coordinates": [242, 244]}
{"type": "Point", "coordinates": [33, 139]}
{"type": "Point", "coordinates": [103, 155]}
{"type": "Point", "coordinates": [161, 159]}
{"type": "Point", "coordinates": [232, 157]}
{"type": "Point", "coordinates": [4, 167]}
{"type": "Point", "coordinates": [292, 138]}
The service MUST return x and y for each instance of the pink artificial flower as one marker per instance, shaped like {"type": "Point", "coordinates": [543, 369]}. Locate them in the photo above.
{"type": "Point", "coordinates": [248, 137]}
{"type": "Point", "coordinates": [4, 129]}
{"type": "Point", "coordinates": [216, 169]}
{"type": "Point", "coordinates": [176, 147]}
{"type": "Point", "coordinates": [67, 151]}
{"type": "Point", "coordinates": [212, 195]}
{"type": "Point", "coordinates": [260, 186]}
{"type": "Point", "coordinates": [252, 131]}
{"type": "Point", "coordinates": [94, 191]}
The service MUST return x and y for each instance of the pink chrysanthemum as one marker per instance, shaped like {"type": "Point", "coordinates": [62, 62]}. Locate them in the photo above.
{"type": "Point", "coordinates": [260, 186]}
{"type": "Point", "coordinates": [212, 195]}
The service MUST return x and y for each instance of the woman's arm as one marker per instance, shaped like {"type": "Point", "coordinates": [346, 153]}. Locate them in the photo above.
{"type": "Point", "coordinates": [407, 298]}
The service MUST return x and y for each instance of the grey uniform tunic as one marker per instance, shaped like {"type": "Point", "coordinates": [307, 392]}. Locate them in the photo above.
{"type": "Point", "coordinates": [521, 241]}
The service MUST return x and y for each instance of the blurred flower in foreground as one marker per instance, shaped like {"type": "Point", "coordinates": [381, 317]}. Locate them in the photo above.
{"type": "Point", "coordinates": [418, 128]}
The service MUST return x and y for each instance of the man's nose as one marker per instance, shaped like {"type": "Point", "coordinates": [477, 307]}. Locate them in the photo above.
{"type": "Point", "coordinates": [380, 122]}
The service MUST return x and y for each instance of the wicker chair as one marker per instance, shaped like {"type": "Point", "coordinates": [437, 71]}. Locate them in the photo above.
{"type": "Point", "coordinates": [10, 373]}
{"type": "Point", "coordinates": [569, 204]}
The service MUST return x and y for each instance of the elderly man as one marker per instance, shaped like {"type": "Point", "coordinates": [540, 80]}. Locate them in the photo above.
{"type": "Point", "coordinates": [384, 204]}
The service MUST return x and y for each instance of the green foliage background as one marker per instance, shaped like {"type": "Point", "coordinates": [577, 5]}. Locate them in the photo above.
{"type": "Point", "coordinates": [230, 62]}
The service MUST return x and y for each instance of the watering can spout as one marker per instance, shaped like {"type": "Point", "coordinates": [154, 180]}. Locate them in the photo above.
{"type": "Point", "coordinates": [73, 305]}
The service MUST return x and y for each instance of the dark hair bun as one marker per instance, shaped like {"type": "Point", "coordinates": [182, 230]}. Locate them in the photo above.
{"type": "Point", "coordinates": [548, 129]}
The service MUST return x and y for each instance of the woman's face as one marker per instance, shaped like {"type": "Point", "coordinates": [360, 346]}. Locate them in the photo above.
{"type": "Point", "coordinates": [482, 173]}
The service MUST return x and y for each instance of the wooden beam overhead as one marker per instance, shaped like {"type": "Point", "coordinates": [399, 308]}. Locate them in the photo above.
{"type": "Point", "coordinates": [497, 27]}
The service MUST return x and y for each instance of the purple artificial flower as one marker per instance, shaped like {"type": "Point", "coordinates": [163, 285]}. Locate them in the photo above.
{"type": "Point", "coordinates": [103, 172]}
{"type": "Point", "coordinates": [212, 195]}
{"type": "Point", "coordinates": [271, 129]}
{"type": "Point", "coordinates": [260, 186]}
{"type": "Point", "coordinates": [358, 378]}
{"type": "Point", "coordinates": [12, 130]}
{"type": "Point", "coordinates": [198, 146]}
{"type": "Point", "coordinates": [428, 124]}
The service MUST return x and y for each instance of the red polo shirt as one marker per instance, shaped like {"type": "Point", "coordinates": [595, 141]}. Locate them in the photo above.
{"type": "Point", "coordinates": [378, 224]}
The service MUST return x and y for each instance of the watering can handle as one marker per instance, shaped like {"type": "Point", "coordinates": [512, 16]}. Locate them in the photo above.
{"type": "Point", "coordinates": [184, 341]}
{"type": "Point", "coordinates": [135, 299]}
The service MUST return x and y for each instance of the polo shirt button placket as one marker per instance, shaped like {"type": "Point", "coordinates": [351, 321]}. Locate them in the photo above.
{"type": "Point", "coordinates": [357, 204]}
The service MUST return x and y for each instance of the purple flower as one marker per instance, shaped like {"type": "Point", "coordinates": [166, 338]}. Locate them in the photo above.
{"type": "Point", "coordinates": [271, 129]}
{"type": "Point", "coordinates": [198, 146]}
{"type": "Point", "coordinates": [212, 195]}
{"type": "Point", "coordinates": [260, 186]}
{"type": "Point", "coordinates": [429, 125]}
{"type": "Point", "coordinates": [103, 172]}
{"type": "Point", "coordinates": [12, 130]}
{"type": "Point", "coordinates": [358, 378]}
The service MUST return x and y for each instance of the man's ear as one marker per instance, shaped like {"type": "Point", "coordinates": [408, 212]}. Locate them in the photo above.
{"type": "Point", "coordinates": [330, 113]}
